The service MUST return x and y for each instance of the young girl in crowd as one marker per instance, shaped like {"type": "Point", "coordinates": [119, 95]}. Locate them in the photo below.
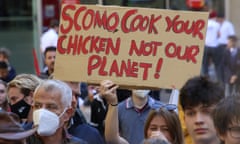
{"type": "Point", "coordinates": [165, 121]}
{"type": "Point", "coordinates": [162, 120]}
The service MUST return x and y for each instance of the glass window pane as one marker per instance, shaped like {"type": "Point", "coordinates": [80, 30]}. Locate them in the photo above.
{"type": "Point", "coordinates": [16, 33]}
{"type": "Point", "coordinates": [15, 14]}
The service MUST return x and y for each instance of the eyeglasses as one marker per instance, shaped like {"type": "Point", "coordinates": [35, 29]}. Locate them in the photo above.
{"type": "Point", "coordinates": [234, 132]}
{"type": "Point", "coordinates": [169, 107]}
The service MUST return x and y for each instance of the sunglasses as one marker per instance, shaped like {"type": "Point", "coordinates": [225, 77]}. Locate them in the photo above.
{"type": "Point", "coordinates": [159, 105]}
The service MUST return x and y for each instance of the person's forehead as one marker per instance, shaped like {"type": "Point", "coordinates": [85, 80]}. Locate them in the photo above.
{"type": "Point", "coordinates": [47, 96]}
{"type": "Point", "coordinates": [200, 106]}
{"type": "Point", "coordinates": [14, 91]}
{"type": "Point", "coordinates": [4, 70]}
{"type": "Point", "coordinates": [158, 120]}
{"type": "Point", "coordinates": [51, 53]}
{"type": "Point", "coordinates": [2, 55]}
{"type": "Point", "coordinates": [2, 86]}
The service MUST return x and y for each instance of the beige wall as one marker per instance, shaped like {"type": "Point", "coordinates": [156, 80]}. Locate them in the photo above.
{"type": "Point", "coordinates": [232, 14]}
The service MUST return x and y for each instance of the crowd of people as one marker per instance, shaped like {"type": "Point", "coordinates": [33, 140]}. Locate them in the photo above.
{"type": "Point", "coordinates": [221, 51]}
{"type": "Point", "coordinates": [38, 109]}
{"type": "Point", "coordinates": [42, 111]}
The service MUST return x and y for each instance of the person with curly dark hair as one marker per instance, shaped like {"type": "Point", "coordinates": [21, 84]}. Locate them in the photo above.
{"type": "Point", "coordinates": [198, 98]}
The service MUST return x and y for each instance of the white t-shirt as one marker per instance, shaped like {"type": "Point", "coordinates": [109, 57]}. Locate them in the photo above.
{"type": "Point", "coordinates": [226, 29]}
{"type": "Point", "coordinates": [49, 38]}
{"type": "Point", "coordinates": [213, 28]}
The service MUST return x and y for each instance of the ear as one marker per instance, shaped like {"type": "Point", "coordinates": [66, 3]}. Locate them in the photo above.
{"type": "Point", "coordinates": [31, 94]}
{"type": "Point", "coordinates": [68, 114]}
{"type": "Point", "coordinates": [222, 136]}
{"type": "Point", "coordinates": [29, 98]}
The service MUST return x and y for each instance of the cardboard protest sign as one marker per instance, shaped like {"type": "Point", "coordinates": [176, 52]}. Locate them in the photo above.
{"type": "Point", "coordinates": [136, 47]}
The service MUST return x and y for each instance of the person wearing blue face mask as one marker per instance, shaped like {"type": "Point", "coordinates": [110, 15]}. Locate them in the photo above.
{"type": "Point", "coordinates": [51, 111]}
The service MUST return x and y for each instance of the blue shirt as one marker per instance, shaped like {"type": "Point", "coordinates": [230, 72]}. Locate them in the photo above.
{"type": "Point", "coordinates": [131, 121]}
{"type": "Point", "coordinates": [86, 133]}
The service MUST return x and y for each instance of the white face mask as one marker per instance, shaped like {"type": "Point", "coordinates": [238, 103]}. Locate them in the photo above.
{"type": "Point", "coordinates": [141, 93]}
{"type": "Point", "coordinates": [47, 121]}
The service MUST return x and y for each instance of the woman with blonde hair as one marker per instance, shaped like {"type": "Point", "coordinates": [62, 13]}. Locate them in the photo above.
{"type": "Point", "coordinates": [20, 94]}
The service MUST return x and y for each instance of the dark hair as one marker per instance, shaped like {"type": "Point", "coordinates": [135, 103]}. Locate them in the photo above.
{"type": "Point", "coordinates": [3, 65]}
{"type": "Point", "coordinates": [172, 121]}
{"type": "Point", "coordinates": [233, 38]}
{"type": "Point", "coordinates": [200, 90]}
{"type": "Point", "coordinates": [50, 48]}
{"type": "Point", "coordinates": [220, 15]}
{"type": "Point", "coordinates": [54, 23]}
{"type": "Point", "coordinates": [226, 113]}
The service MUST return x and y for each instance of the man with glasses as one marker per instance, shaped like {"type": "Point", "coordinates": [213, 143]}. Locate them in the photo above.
{"type": "Point", "coordinates": [198, 98]}
{"type": "Point", "coordinates": [226, 118]}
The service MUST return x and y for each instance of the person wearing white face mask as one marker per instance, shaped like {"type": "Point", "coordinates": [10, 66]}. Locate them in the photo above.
{"type": "Point", "coordinates": [51, 111]}
{"type": "Point", "coordinates": [129, 115]}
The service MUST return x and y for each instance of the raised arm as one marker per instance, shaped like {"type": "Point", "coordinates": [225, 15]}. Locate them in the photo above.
{"type": "Point", "coordinates": [108, 91]}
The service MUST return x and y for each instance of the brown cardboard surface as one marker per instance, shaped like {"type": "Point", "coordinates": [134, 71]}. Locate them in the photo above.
{"type": "Point", "coordinates": [134, 47]}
